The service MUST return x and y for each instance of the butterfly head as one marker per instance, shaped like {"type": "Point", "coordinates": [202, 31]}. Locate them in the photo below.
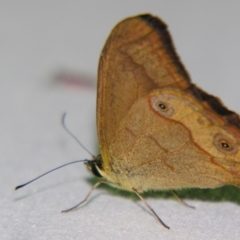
{"type": "Point", "coordinates": [95, 165]}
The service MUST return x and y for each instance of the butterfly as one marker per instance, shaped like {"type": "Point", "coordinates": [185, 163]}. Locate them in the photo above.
{"type": "Point", "coordinates": [156, 129]}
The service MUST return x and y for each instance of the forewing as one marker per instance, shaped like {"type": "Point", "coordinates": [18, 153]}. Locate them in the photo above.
{"type": "Point", "coordinates": [138, 57]}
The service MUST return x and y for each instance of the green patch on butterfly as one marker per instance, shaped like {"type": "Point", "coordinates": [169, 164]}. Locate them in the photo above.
{"type": "Point", "coordinates": [221, 194]}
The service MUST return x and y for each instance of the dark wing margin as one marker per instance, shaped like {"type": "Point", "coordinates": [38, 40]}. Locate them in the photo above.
{"type": "Point", "coordinates": [161, 28]}
{"type": "Point", "coordinates": [216, 105]}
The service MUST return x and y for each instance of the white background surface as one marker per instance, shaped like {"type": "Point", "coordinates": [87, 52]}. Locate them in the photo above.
{"type": "Point", "coordinates": [39, 38]}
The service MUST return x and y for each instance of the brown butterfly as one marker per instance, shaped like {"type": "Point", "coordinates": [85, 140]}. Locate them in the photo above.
{"type": "Point", "coordinates": [156, 129]}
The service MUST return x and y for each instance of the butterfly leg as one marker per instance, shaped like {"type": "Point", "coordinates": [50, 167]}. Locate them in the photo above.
{"type": "Point", "coordinates": [181, 201]}
{"type": "Point", "coordinates": [145, 202]}
{"type": "Point", "coordinates": [86, 198]}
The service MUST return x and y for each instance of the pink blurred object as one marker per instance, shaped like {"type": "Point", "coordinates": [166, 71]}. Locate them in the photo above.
{"type": "Point", "coordinates": [73, 80]}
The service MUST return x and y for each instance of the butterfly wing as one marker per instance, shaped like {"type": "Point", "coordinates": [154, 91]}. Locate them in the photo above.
{"type": "Point", "coordinates": [138, 57]}
{"type": "Point", "coordinates": [143, 147]}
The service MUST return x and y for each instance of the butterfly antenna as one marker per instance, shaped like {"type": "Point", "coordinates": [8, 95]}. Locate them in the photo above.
{"type": "Point", "coordinates": [23, 185]}
{"type": "Point", "coordinates": [71, 134]}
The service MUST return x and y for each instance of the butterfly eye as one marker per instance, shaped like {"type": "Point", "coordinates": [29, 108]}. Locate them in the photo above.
{"type": "Point", "coordinates": [224, 144]}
